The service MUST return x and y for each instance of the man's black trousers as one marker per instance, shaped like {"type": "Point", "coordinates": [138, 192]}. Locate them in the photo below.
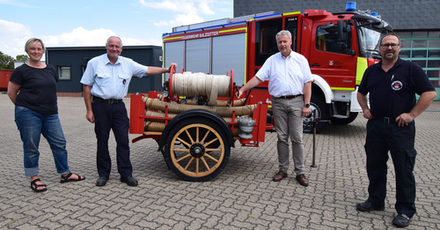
{"type": "Point", "coordinates": [381, 138]}
{"type": "Point", "coordinates": [112, 116]}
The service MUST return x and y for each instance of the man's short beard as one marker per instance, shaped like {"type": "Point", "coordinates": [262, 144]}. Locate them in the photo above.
{"type": "Point", "coordinates": [389, 58]}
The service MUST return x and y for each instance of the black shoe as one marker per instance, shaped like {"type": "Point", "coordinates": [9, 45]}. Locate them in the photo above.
{"type": "Point", "coordinates": [131, 181]}
{"type": "Point", "coordinates": [401, 220]}
{"type": "Point", "coordinates": [368, 206]}
{"type": "Point", "coordinates": [101, 181]}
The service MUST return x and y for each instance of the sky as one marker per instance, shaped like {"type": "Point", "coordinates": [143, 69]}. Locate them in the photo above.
{"type": "Point", "coordinates": [61, 23]}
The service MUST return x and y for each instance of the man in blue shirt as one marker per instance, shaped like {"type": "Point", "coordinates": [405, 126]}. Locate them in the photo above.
{"type": "Point", "coordinates": [105, 83]}
{"type": "Point", "coordinates": [392, 84]}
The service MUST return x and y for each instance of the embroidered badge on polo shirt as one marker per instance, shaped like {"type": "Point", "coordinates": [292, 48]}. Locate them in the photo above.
{"type": "Point", "coordinates": [396, 85]}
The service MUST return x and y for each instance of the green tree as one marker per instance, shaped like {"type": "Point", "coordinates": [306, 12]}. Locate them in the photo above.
{"type": "Point", "coordinates": [6, 61]}
{"type": "Point", "coordinates": [22, 58]}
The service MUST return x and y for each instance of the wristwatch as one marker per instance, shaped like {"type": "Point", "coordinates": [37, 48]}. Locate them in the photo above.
{"type": "Point", "coordinates": [307, 105]}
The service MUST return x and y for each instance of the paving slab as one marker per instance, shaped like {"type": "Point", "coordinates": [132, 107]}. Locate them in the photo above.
{"type": "Point", "coordinates": [243, 196]}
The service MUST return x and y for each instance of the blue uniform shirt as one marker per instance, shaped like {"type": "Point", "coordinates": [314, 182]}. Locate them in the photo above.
{"type": "Point", "coordinates": [110, 81]}
{"type": "Point", "coordinates": [393, 93]}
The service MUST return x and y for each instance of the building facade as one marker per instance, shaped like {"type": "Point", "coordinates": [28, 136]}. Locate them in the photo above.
{"type": "Point", "coordinates": [417, 22]}
{"type": "Point", "coordinates": [71, 62]}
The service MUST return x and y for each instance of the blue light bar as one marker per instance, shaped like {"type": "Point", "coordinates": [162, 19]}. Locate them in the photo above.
{"type": "Point", "coordinates": [350, 6]}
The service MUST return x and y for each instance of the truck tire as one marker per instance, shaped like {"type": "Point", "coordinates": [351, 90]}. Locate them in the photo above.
{"type": "Point", "coordinates": [317, 104]}
{"type": "Point", "coordinates": [197, 149]}
{"type": "Point", "coordinates": [344, 121]}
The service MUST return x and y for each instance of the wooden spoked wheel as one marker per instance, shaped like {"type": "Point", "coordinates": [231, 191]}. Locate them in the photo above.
{"type": "Point", "coordinates": [197, 150]}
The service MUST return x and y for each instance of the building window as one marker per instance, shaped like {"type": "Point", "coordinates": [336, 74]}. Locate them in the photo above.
{"type": "Point", "coordinates": [64, 72]}
{"type": "Point", "coordinates": [423, 48]}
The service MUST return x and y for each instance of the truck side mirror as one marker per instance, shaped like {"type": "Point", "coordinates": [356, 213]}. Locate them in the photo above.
{"type": "Point", "coordinates": [342, 30]}
{"type": "Point", "coordinates": [343, 36]}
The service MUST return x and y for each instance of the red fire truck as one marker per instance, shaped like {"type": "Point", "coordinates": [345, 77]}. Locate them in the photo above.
{"type": "Point", "coordinates": [338, 46]}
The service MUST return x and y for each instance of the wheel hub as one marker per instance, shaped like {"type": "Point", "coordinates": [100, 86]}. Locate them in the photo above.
{"type": "Point", "coordinates": [197, 150]}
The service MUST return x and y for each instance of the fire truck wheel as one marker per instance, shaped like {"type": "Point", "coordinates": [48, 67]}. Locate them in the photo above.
{"type": "Point", "coordinates": [197, 149]}
{"type": "Point", "coordinates": [320, 108]}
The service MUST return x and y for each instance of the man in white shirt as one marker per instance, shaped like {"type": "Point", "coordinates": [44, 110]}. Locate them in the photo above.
{"type": "Point", "coordinates": [290, 85]}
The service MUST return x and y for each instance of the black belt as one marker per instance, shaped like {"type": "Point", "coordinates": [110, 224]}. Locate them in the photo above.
{"type": "Point", "coordinates": [386, 120]}
{"type": "Point", "coordinates": [288, 96]}
{"type": "Point", "coordinates": [108, 101]}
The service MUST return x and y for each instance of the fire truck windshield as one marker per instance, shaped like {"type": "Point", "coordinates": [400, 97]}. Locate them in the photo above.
{"type": "Point", "coordinates": [369, 42]}
{"type": "Point", "coordinates": [369, 29]}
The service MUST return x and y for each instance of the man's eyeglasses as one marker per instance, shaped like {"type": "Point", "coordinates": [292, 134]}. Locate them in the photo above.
{"type": "Point", "coordinates": [393, 45]}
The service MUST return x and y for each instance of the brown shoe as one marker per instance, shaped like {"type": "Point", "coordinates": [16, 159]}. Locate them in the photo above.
{"type": "Point", "coordinates": [279, 176]}
{"type": "Point", "coordinates": [302, 180]}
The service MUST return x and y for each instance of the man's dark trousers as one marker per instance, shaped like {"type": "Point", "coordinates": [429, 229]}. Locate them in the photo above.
{"type": "Point", "coordinates": [112, 116]}
{"type": "Point", "coordinates": [381, 138]}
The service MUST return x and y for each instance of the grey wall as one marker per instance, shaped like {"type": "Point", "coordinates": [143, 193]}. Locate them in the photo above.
{"type": "Point", "coordinates": [77, 58]}
{"type": "Point", "coordinates": [401, 14]}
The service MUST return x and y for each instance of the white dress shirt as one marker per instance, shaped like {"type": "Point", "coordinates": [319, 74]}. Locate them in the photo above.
{"type": "Point", "coordinates": [286, 75]}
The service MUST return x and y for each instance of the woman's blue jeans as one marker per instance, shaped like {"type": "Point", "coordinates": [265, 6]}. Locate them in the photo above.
{"type": "Point", "coordinates": [31, 125]}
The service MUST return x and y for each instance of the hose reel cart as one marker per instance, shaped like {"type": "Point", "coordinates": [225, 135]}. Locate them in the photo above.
{"type": "Point", "coordinates": [196, 120]}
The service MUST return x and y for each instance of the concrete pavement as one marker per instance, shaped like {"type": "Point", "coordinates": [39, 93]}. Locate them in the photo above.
{"type": "Point", "coordinates": [241, 197]}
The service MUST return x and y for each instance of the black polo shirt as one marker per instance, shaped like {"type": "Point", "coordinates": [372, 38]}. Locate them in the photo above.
{"type": "Point", "coordinates": [393, 93]}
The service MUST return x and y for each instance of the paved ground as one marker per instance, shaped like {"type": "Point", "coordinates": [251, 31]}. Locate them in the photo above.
{"type": "Point", "coordinates": [242, 197]}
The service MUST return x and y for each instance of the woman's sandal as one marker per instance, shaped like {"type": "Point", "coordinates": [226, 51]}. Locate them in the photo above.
{"type": "Point", "coordinates": [35, 186]}
{"type": "Point", "coordinates": [66, 178]}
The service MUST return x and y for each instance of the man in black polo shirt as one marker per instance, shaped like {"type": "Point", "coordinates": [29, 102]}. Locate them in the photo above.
{"type": "Point", "coordinates": [392, 84]}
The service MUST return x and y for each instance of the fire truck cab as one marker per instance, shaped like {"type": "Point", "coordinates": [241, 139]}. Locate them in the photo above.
{"type": "Point", "coordinates": [338, 46]}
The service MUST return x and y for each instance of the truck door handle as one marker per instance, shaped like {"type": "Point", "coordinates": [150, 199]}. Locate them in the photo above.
{"type": "Point", "coordinates": [313, 65]}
